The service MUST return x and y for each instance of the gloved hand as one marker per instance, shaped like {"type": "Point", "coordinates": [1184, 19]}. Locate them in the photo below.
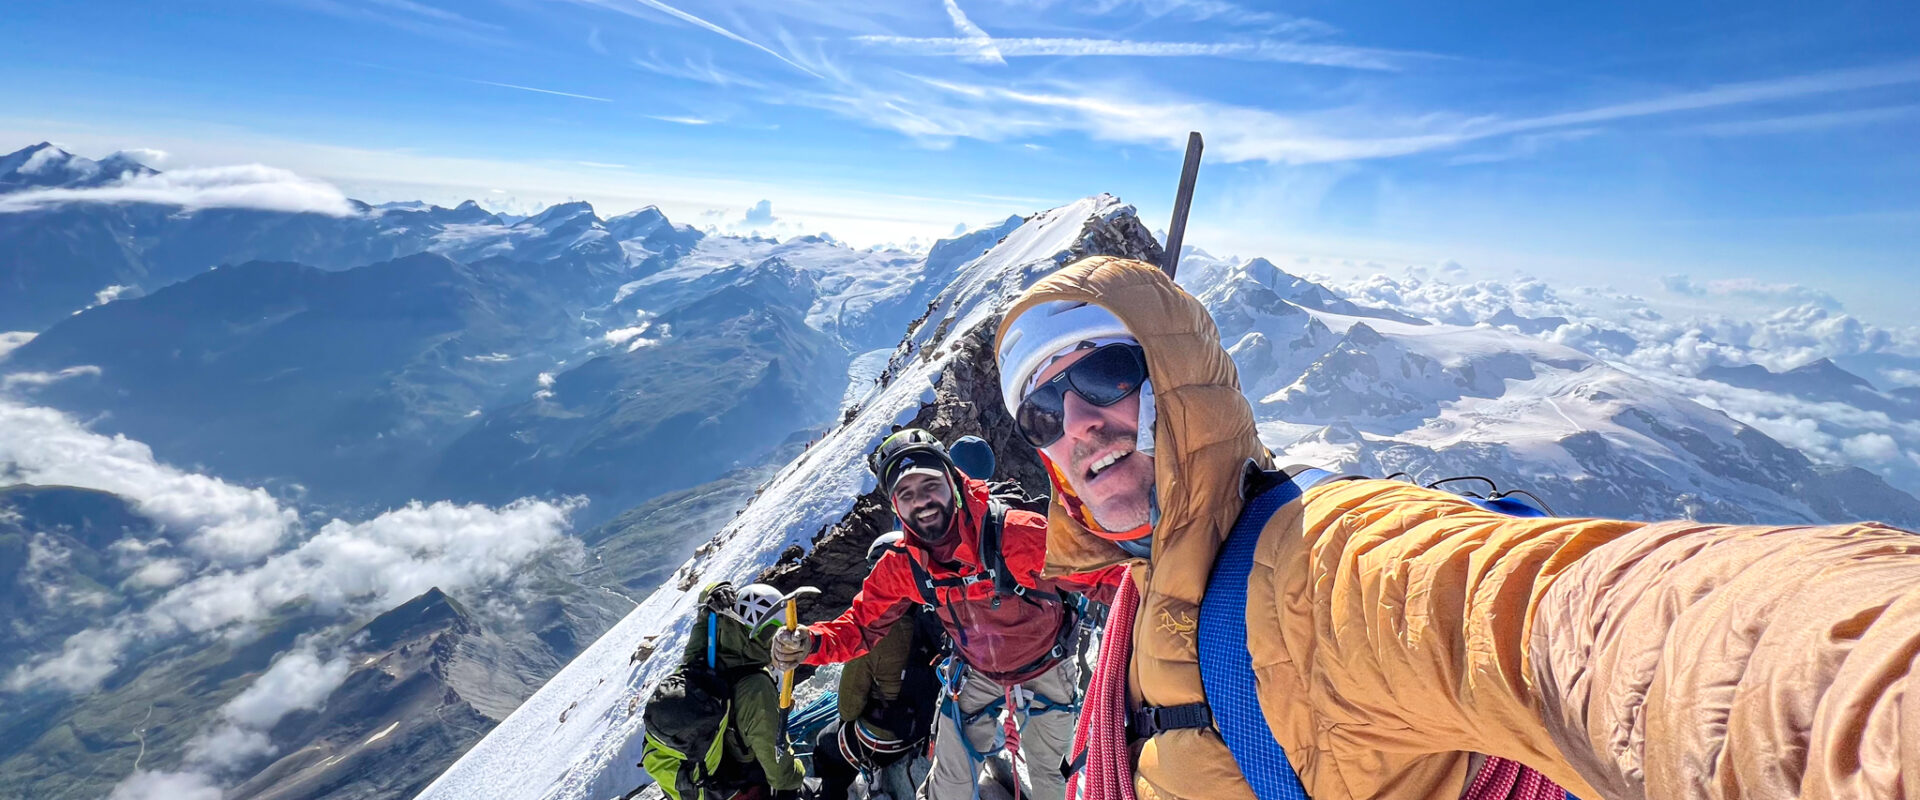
{"type": "Point", "coordinates": [720, 597]}
{"type": "Point", "coordinates": [790, 647]}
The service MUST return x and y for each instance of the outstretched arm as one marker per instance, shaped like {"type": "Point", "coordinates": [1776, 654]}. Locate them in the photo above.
{"type": "Point", "coordinates": [1624, 660]}
{"type": "Point", "coordinates": [883, 598]}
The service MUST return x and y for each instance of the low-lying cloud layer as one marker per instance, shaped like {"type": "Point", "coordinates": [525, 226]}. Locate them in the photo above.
{"type": "Point", "coordinates": [218, 520]}
{"type": "Point", "coordinates": [232, 537]}
{"type": "Point", "coordinates": [247, 186]}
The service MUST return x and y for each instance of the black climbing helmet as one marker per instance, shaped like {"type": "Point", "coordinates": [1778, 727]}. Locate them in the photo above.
{"type": "Point", "coordinates": [909, 448]}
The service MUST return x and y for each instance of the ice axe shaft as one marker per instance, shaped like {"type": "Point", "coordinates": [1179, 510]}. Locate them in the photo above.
{"type": "Point", "coordinates": [1182, 203]}
{"type": "Point", "coordinates": [786, 676]}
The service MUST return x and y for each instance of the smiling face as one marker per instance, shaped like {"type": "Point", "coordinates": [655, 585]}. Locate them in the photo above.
{"type": "Point", "coordinates": [924, 501]}
{"type": "Point", "coordinates": [1097, 455]}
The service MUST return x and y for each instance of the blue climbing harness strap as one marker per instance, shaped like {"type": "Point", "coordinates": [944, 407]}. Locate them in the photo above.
{"type": "Point", "coordinates": [1226, 665]}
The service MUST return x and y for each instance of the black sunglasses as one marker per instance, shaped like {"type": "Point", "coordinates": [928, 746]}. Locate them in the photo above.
{"type": "Point", "coordinates": [1103, 377]}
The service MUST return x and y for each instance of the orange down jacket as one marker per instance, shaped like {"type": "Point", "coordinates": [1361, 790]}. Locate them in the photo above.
{"type": "Point", "coordinates": [1395, 630]}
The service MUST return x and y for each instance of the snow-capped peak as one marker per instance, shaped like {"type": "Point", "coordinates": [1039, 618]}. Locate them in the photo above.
{"type": "Point", "coordinates": [45, 165]}
{"type": "Point", "coordinates": [556, 216]}
{"type": "Point", "coordinates": [32, 159]}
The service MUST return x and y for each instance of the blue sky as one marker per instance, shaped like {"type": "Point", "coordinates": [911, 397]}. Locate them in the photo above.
{"type": "Point", "coordinates": [1616, 144]}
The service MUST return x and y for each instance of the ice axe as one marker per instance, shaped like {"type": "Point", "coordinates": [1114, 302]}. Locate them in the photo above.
{"type": "Point", "coordinates": [1182, 203]}
{"type": "Point", "coordinates": [786, 676]}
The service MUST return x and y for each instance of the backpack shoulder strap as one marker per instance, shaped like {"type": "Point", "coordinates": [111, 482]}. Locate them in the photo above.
{"type": "Point", "coordinates": [923, 579]}
{"type": "Point", "coordinates": [993, 558]}
{"type": "Point", "coordinates": [1226, 665]}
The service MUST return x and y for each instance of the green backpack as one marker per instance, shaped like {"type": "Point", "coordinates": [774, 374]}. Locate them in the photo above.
{"type": "Point", "coordinates": [686, 722]}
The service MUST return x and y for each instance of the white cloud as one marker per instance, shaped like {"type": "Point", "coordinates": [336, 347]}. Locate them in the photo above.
{"type": "Point", "coordinates": [1673, 351]}
{"type": "Point", "coordinates": [1241, 133]}
{"type": "Point", "coordinates": [431, 12]}
{"type": "Point", "coordinates": [299, 679]}
{"type": "Point", "coordinates": [379, 563]}
{"type": "Point", "coordinates": [626, 7]}
{"type": "Point", "coordinates": [344, 568]}
{"type": "Point", "coordinates": [110, 294]}
{"type": "Point", "coordinates": [149, 785]}
{"type": "Point", "coordinates": [1750, 289]}
{"type": "Point", "coordinates": [975, 45]}
{"type": "Point", "coordinates": [760, 214]}
{"type": "Point", "coordinates": [682, 120]}
{"type": "Point", "coordinates": [247, 186]}
{"type": "Point", "coordinates": [227, 748]}
{"type": "Point", "coordinates": [46, 158]}
{"type": "Point", "coordinates": [1802, 123]}
{"type": "Point", "coordinates": [634, 337]}
{"type": "Point", "coordinates": [146, 156]}
{"type": "Point", "coordinates": [1327, 55]}
{"type": "Point", "coordinates": [418, 18]}
{"type": "Point", "coordinates": [703, 71]}
{"type": "Point", "coordinates": [542, 91]}
{"type": "Point", "coordinates": [1194, 10]}
{"type": "Point", "coordinates": [14, 380]}
{"type": "Point", "coordinates": [159, 573]}
{"type": "Point", "coordinates": [13, 340]}
{"type": "Point", "coordinates": [1871, 448]}
{"type": "Point", "coordinates": [228, 523]}
{"type": "Point", "coordinates": [85, 659]}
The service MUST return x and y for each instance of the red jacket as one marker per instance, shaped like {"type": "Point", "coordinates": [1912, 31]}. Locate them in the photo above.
{"type": "Point", "coordinates": [1010, 643]}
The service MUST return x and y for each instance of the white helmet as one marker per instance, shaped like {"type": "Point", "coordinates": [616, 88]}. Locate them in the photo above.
{"type": "Point", "coordinates": [1042, 332]}
{"type": "Point", "coordinates": [756, 605]}
{"type": "Point", "coordinates": [1049, 330]}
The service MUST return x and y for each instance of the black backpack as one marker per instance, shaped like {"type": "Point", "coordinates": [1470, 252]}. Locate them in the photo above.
{"type": "Point", "coordinates": [686, 722]}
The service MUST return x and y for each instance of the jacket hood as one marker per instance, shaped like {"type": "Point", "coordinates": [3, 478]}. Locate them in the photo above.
{"type": "Point", "coordinates": [1203, 429]}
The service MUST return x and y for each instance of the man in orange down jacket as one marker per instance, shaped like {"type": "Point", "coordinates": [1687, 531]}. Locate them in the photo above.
{"type": "Point", "coordinates": [1397, 630]}
{"type": "Point", "coordinates": [1010, 646]}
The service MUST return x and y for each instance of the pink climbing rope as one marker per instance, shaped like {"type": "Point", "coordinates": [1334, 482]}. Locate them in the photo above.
{"type": "Point", "coordinates": [1100, 738]}
{"type": "Point", "coordinates": [1502, 779]}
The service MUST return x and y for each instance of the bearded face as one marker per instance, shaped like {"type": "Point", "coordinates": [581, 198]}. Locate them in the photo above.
{"type": "Point", "coordinates": [924, 502]}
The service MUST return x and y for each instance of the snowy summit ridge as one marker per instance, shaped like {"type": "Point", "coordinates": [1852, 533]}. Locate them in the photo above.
{"type": "Point", "coordinates": [578, 737]}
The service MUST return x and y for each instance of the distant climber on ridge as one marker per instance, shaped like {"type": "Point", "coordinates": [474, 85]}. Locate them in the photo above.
{"type": "Point", "coordinates": [976, 564]}
{"type": "Point", "coordinates": [1390, 636]}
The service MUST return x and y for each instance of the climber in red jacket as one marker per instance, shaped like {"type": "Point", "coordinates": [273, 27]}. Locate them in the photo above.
{"type": "Point", "coordinates": [976, 564]}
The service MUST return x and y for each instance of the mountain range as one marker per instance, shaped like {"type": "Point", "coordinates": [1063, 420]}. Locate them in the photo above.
{"type": "Point", "coordinates": [298, 504]}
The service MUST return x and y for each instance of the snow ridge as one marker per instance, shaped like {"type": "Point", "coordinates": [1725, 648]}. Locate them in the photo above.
{"type": "Point", "coordinates": [578, 738]}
